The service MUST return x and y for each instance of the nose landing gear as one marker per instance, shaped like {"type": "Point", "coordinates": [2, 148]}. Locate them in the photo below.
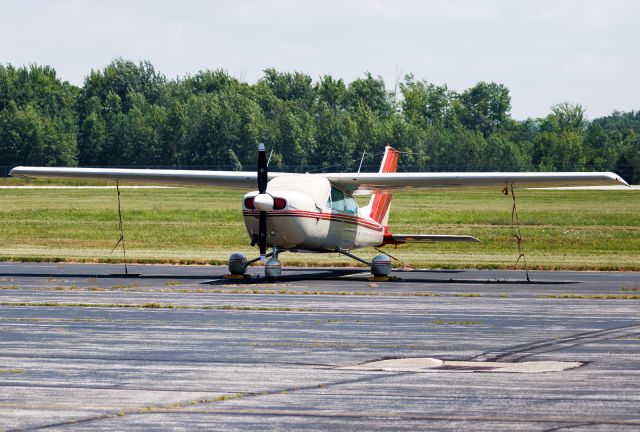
{"type": "Point", "coordinates": [238, 266]}
{"type": "Point", "coordinates": [273, 267]}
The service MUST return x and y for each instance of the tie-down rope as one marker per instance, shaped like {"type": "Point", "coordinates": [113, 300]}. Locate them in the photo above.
{"type": "Point", "coordinates": [516, 229]}
{"type": "Point", "coordinates": [121, 226]}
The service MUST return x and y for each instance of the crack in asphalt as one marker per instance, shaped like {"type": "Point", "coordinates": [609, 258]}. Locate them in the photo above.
{"type": "Point", "coordinates": [190, 403]}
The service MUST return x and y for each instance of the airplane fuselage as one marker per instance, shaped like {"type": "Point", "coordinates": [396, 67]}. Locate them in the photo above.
{"type": "Point", "coordinates": [306, 218]}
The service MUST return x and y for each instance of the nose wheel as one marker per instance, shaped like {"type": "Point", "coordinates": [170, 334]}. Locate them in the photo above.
{"type": "Point", "coordinates": [273, 267]}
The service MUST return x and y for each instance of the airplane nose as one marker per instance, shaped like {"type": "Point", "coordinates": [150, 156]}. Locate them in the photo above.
{"type": "Point", "coordinates": [263, 202]}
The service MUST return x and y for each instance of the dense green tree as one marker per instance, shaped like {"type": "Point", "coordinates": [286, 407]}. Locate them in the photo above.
{"type": "Point", "coordinates": [370, 92]}
{"type": "Point", "coordinates": [26, 135]}
{"type": "Point", "coordinates": [173, 133]}
{"type": "Point", "coordinates": [38, 119]}
{"type": "Point", "coordinates": [332, 92]}
{"type": "Point", "coordinates": [569, 116]}
{"type": "Point", "coordinates": [560, 145]}
{"type": "Point", "coordinates": [600, 150]}
{"type": "Point", "coordinates": [290, 87]}
{"type": "Point", "coordinates": [425, 103]}
{"type": "Point", "coordinates": [122, 77]}
{"type": "Point", "coordinates": [410, 140]}
{"type": "Point", "coordinates": [502, 154]}
{"type": "Point", "coordinates": [334, 133]}
{"type": "Point", "coordinates": [128, 114]}
{"type": "Point", "coordinates": [628, 163]}
{"type": "Point", "coordinates": [93, 137]}
{"type": "Point", "coordinates": [484, 107]}
{"type": "Point", "coordinates": [209, 81]}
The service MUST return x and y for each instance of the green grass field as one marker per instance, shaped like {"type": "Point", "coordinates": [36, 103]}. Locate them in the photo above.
{"type": "Point", "coordinates": [596, 230]}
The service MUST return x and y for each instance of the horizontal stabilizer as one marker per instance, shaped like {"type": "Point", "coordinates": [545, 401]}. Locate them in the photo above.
{"type": "Point", "coordinates": [426, 238]}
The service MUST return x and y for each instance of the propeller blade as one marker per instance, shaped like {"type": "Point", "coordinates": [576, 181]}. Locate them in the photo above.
{"type": "Point", "coordinates": [262, 168]}
{"type": "Point", "coordinates": [262, 238]}
{"type": "Point", "coordinates": [262, 188]}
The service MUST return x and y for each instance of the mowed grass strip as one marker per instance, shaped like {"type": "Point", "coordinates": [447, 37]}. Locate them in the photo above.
{"type": "Point", "coordinates": [561, 229]}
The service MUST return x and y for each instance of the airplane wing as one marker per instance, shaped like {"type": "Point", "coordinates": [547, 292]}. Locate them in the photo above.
{"type": "Point", "coordinates": [234, 179]}
{"type": "Point", "coordinates": [386, 181]}
{"type": "Point", "coordinates": [348, 181]}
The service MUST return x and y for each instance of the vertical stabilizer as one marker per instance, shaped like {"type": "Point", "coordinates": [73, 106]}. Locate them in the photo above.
{"type": "Point", "coordinates": [381, 201]}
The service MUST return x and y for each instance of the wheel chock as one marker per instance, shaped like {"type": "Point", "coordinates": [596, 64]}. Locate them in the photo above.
{"type": "Point", "coordinates": [236, 276]}
{"type": "Point", "coordinates": [383, 278]}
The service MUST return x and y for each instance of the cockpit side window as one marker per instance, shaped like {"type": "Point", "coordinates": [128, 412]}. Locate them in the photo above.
{"type": "Point", "coordinates": [337, 199]}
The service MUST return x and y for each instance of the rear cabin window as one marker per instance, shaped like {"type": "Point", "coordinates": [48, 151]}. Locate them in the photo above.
{"type": "Point", "coordinates": [351, 205]}
{"type": "Point", "coordinates": [341, 202]}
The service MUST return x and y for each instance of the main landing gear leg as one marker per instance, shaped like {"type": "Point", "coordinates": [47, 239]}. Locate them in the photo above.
{"type": "Point", "coordinates": [380, 265]}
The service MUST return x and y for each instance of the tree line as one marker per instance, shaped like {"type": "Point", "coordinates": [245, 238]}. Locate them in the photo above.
{"type": "Point", "coordinates": [129, 114]}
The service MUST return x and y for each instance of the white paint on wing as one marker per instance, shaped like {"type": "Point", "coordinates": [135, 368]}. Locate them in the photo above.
{"type": "Point", "coordinates": [87, 187]}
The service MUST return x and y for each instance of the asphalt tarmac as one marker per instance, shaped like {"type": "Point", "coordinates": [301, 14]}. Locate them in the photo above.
{"type": "Point", "coordinates": [84, 347]}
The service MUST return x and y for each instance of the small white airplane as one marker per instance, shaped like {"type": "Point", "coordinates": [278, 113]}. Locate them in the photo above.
{"type": "Point", "coordinates": [317, 212]}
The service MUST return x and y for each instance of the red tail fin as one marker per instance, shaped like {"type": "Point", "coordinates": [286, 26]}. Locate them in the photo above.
{"type": "Point", "coordinates": [380, 201]}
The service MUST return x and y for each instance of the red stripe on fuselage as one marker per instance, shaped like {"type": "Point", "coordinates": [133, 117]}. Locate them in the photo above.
{"type": "Point", "coordinates": [349, 219]}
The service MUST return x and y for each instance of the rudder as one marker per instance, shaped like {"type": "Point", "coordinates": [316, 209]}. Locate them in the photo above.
{"type": "Point", "coordinates": [381, 201]}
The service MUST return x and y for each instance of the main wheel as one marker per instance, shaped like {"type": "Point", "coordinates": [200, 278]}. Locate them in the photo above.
{"type": "Point", "coordinates": [381, 265]}
{"type": "Point", "coordinates": [237, 263]}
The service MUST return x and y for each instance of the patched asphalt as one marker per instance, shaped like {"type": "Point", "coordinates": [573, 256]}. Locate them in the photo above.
{"type": "Point", "coordinates": [84, 347]}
